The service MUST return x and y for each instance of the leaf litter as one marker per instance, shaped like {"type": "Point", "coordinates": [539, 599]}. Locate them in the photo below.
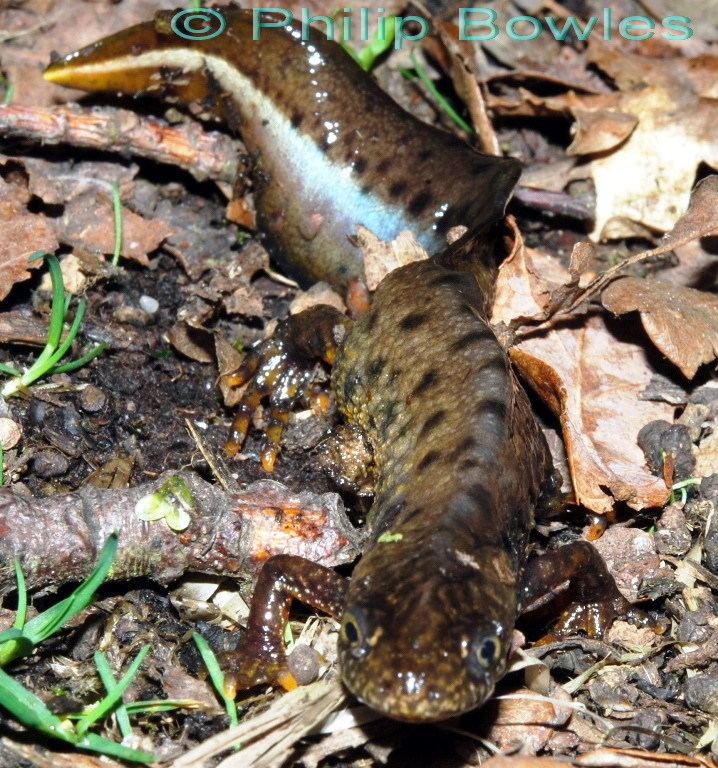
{"type": "Point", "coordinates": [592, 370]}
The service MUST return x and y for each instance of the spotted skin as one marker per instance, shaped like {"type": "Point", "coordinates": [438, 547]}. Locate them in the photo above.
{"type": "Point", "coordinates": [460, 462]}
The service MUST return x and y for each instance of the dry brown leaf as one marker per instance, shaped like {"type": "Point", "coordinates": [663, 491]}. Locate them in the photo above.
{"type": "Point", "coordinates": [244, 300]}
{"type": "Point", "coordinates": [682, 322]}
{"type": "Point", "coordinates": [88, 223]}
{"type": "Point", "coordinates": [523, 718]}
{"type": "Point", "coordinates": [381, 258]}
{"type": "Point", "coordinates": [22, 235]}
{"type": "Point", "coordinates": [645, 182]}
{"type": "Point", "coordinates": [592, 381]}
{"type": "Point", "coordinates": [319, 293]}
{"type": "Point", "coordinates": [522, 290]}
{"type": "Point", "coordinates": [228, 360]}
{"type": "Point", "coordinates": [192, 341]}
{"type": "Point", "coordinates": [649, 178]}
{"type": "Point", "coordinates": [598, 130]}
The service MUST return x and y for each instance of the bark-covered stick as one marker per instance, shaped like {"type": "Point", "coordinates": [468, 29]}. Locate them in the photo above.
{"type": "Point", "coordinates": [205, 154]}
{"type": "Point", "coordinates": [58, 539]}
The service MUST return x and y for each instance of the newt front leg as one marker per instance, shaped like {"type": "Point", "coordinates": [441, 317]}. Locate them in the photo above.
{"type": "Point", "coordinates": [260, 656]}
{"type": "Point", "coordinates": [594, 599]}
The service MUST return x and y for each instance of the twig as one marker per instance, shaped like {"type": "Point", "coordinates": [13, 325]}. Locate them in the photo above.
{"type": "Point", "coordinates": [206, 155]}
{"type": "Point", "coordinates": [57, 539]}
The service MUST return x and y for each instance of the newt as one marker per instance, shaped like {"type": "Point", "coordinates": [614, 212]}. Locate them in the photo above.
{"type": "Point", "coordinates": [460, 461]}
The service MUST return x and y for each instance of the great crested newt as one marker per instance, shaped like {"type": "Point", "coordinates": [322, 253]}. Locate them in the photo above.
{"type": "Point", "coordinates": [428, 613]}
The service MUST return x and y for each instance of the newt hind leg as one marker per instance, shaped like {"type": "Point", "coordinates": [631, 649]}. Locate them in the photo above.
{"type": "Point", "coordinates": [593, 599]}
{"type": "Point", "coordinates": [281, 369]}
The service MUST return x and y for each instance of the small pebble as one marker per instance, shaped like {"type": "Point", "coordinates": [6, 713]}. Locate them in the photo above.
{"type": "Point", "coordinates": [71, 421]}
{"type": "Point", "coordinates": [303, 663]}
{"type": "Point", "coordinates": [10, 433]}
{"type": "Point", "coordinates": [132, 315]}
{"type": "Point", "coordinates": [701, 692]}
{"type": "Point", "coordinates": [38, 412]}
{"type": "Point", "coordinates": [660, 437]}
{"type": "Point", "coordinates": [92, 399]}
{"type": "Point", "coordinates": [149, 304]}
{"type": "Point", "coordinates": [672, 534]}
{"type": "Point", "coordinates": [50, 464]}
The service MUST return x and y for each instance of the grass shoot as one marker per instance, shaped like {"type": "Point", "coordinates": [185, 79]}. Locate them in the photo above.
{"type": "Point", "coordinates": [49, 360]}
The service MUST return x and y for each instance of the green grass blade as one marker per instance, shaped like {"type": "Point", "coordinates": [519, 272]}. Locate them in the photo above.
{"type": "Point", "coordinates": [440, 98]}
{"type": "Point", "coordinates": [114, 695]}
{"type": "Point", "coordinates": [21, 614]}
{"type": "Point", "coordinates": [108, 680]}
{"type": "Point", "coordinates": [61, 351]}
{"type": "Point", "coordinates": [117, 208]}
{"type": "Point", "coordinates": [57, 308]}
{"type": "Point", "coordinates": [48, 622]}
{"type": "Point", "coordinates": [113, 749]}
{"type": "Point", "coordinates": [216, 676]}
{"type": "Point", "coordinates": [84, 360]}
{"type": "Point", "coordinates": [366, 57]}
{"type": "Point", "coordinates": [9, 370]}
{"type": "Point", "coordinates": [31, 710]}
{"type": "Point", "coordinates": [9, 94]}
{"type": "Point", "coordinates": [159, 705]}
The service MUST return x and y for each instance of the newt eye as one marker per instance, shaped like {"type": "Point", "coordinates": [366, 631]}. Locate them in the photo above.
{"type": "Point", "coordinates": [488, 651]}
{"type": "Point", "coordinates": [349, 633]}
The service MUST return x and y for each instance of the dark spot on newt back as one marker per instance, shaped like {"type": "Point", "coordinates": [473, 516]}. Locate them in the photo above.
{"type": "Point", "coordinates": [384, 165]}
{"type": "Point", "coordinates": [413, 320]}
{"type": "Point", "coordinates": [433, 421]}
{"type": "Point", "coordinates": [427, 381]}
{"type": "Point", "coordinates": [431, 458]}
{"type": "Point", "coordinates": [449, 279]}
{"type": "Point", "coordinates": [495, 412]}
{"type": "Point", "coordinates": [360, 165]}
{"type": "Point", "coordinates": [419, 202]}
{"type": "Point", "coordinates": [397, 189]}
{"type": "Point", "coordinates": [465, 446]}
{"type": "Point", "coordinates": [476, 336]}
{"type": "Point", "coordinates": [424, 155]}
{"type": "Point", "coordinates": [491, 365]}
{"type": "Point", "coordinates": [375, 368]}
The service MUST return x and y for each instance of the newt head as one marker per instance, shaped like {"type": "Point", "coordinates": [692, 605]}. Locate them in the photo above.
{"type": "Point", "coordinates": [425, 638]}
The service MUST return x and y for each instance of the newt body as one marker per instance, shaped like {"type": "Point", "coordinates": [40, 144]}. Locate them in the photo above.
{"type": "Point", "coordinates": [428, 613]}
{"type": "Point", "coordinates": [333, 149]}
{"type": "Point", "coordinates": [460, 462]}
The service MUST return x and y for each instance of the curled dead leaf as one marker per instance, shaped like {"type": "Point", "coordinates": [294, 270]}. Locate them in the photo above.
{"type": "Point", "coordinates": [381, 258]}
{"type": "Point", "coordinates": [592, 381]}
{"type": "Point", "coordinates": [319, 293]}
{"type": "Point", "coordinates": [682, 322]}
{"type": "Point", "coordinates": [599, 130]}
{"type": "Point", "coordinates": [23, 234]}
